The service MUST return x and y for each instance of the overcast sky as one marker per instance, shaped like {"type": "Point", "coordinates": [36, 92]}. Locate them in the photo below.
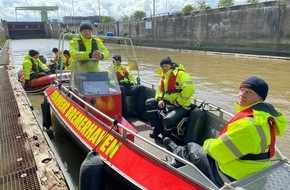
{"type": "Point", "coordinates": [115, 8]}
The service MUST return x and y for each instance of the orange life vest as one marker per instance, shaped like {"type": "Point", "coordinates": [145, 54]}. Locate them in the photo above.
{"type": "Point", "coordinates": [66, 63]}
{"type": "Point", "coordinates": [120, 76]}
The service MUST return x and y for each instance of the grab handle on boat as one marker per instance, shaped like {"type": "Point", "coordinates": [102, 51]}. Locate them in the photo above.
{"type": "Point", "coordinates": [115, 125]}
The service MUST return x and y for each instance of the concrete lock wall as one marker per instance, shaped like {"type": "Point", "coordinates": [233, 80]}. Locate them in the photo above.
{"type": "Point", "coordinates": [262, 28]}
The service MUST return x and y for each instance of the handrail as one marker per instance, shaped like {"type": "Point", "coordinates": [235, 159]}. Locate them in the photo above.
{"type": "Point", "coordinates": [71, 94]}
{"type": "Point", "coordinates": [65, 34]}
{"type": "Point", "coordinates": [211, 107]}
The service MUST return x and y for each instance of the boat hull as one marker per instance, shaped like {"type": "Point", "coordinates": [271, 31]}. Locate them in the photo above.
{"type": "Point", "coordinates": [115, 147]}
{"type": "Point", "coordinates": [40, 84]}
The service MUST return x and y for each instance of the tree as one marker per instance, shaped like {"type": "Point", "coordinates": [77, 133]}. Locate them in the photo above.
{"type": "Point", "coordinates": [225, 3]}
{"type": "Point", "coordinates": [125, 18]}
{"type": "Point", "coordinates": [202, 5]}
{"type": "Point", "coordinates": [138, 15]}
{"type": "Point", "coordinates": [252, 1]}
{"type": "Point", "coordinates": [107, 19]}
{"type": "Point", "coordinates": [187, 8]}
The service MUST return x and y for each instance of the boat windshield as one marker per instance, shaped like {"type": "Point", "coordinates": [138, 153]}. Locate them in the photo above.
{"type": "Point", "coordinates": [97, 83]}
{"type": "Point", "coordinates": [93, 77]}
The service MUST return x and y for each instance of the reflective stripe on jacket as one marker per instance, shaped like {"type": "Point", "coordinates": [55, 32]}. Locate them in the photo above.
{"type": "Point", "coordinates": [245, 136]}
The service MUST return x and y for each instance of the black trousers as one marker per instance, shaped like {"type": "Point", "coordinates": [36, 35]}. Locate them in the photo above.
{"type": "Point", "coordinates": [194, 153]}
{"type": "Point", "coordinates": [167, 122]}
{"type": "Point", "coordinates": [37, 75]}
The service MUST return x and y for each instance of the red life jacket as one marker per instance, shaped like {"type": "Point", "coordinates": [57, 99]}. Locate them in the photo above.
{"type": "Point", "coordinates": [66, 63]}
{"type": "Point", "coordinates": [125, 72]}
{"type": "Point", "coordinates": [249, 113]}
{"type": "Point", "coordinates": [171, 84]}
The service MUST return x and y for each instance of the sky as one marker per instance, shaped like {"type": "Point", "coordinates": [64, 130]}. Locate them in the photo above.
{"type": "Point", "coordinates": [115, 8]}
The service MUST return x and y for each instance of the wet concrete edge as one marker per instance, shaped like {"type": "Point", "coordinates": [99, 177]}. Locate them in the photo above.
{"type": "Point", "coordinates": [48, 170]}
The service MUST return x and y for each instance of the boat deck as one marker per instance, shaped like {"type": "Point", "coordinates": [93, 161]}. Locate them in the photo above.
{"type": "Point", "coordinates": [144, 129]}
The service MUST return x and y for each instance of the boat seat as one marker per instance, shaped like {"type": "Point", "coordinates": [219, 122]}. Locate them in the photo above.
{"type": "Point", "coordinates": [130, 104]}
{"type": "Point", "coordinates": [194, 125]}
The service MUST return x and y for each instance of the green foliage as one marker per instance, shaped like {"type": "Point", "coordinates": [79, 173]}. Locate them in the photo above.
{"type": "Point", "coordinates": [187, 8]}
{"type": "Point", "coordinates": [202, 5]}
{"type": "Point", "coordinates": [125, 18]}
{"type": "Point", "coordinates": [2, 40]}
{"type": "Point", "coordinates": [252, 1]}
{"type": "Point", "coordinates": [225, 3]}
{"type": "Point", "coordinates": [138, 15]}
{"type": "Point", "coordinates": [107, 19]}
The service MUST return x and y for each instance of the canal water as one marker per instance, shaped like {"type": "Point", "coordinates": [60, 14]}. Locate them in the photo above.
{"type": "Point", "coordinates": [216, 78]}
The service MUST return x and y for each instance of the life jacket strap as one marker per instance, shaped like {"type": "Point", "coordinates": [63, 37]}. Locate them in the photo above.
{"type": "Point", "coordinates": [261, 156]}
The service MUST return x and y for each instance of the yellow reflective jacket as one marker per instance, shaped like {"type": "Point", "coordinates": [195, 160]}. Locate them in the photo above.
{"type": "Point", "coordinates": [123, 74]}
{"type": "Point", "coordinates": [31, 65]}
{"type": "Point", "coordinates": [83, 57]}
{"type": "Point", "coordinates": [247, 135]}
{"type": "Point", "coordinates": [183, 85]}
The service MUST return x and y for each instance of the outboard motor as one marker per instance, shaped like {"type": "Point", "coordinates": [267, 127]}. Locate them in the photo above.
{"type": "Point", "coordinates": [46, 116]}
{"type": "Point", "coordinates": [92, 173]}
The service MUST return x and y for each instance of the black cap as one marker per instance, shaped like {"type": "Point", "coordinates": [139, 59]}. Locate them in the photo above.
{"type": "Point", "coordinates": [32, 53]}
{"type": "Point", "coordinates": [66, 52]}
{"type": "Point", "coordinates": [86, 25]}
{"type": "Point", "coordinates": [54, 50]}
{"type": "Point", "coordinates": [166, 60]}
{"type": "Point", "coordinates": [256, 84]}
{"type": "Point", "coordinates": [117, 57]}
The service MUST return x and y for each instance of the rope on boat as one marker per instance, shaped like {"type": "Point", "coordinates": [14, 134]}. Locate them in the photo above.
{"type": "Point", "coordinates": [114, 126]}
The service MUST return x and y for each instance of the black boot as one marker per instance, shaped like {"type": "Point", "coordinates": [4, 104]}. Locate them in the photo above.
{"type": "Point", "coordinates": [156, 131]}
{"type": "Point", "coordinates": [169, 144]}
{"type": "Point", "coordinates": [153, 135]}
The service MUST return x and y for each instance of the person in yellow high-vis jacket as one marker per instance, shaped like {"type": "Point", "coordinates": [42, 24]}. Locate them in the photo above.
{"type": "Point", "coordinates": [245, 145]}
{"type": "Point", "coordinates": [129, 87]}
{"type": "Point", "coordinates": [172, 99]}
{"type": "Point", "coordinates": [32, 67]}
{"type": "Point", "coordinates": [86, 51]}
{"type": "Point", "coordinates": [55, 63]}
{"type": "Point", "coordinates": [67, 60]}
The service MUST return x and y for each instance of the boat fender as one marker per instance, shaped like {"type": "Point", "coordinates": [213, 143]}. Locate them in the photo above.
{"type": "Point", "coordinates": [46, 116]}
{"type": "Point", "coordinates": [92, 173]}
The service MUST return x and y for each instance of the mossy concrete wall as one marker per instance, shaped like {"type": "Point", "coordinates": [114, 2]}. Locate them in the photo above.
{"type": "Point", "coordinates": [3, 36]}
{"type": "Point", "coordinates": [262, 28]}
